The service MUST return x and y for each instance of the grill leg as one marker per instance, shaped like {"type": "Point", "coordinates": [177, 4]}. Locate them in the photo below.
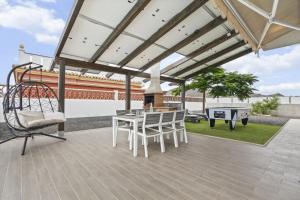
{"type": "Point", "coordinates": [24, 146]}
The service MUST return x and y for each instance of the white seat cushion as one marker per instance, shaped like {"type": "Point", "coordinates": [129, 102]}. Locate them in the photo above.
{"type": "Point", "coordinates": [35, 119]}
{"type": "Point", "coordinates": [58, 116]}
{"type": "Point", "coordinates": [26, 117]}
{"type": "Point", "coordinates": [42, 122]}
{"type": "Point", "coordinates": [31, 115]}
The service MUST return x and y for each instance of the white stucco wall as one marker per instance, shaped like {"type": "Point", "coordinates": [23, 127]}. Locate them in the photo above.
{"type": "Point", "coordinates": [92, 108]}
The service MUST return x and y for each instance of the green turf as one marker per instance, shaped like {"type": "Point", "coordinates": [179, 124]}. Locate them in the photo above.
{"type": "Point", "coordinates": [254, 133]}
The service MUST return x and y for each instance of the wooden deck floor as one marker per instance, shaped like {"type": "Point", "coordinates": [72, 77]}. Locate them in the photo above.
{"type": "Point", "coordinates": [86, 166]}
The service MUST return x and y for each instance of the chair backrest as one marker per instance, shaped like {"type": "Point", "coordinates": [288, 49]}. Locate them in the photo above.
{"type": "Point", "coordinates": [152, 119]}
{"type": "Point", "coordinates": [121, 112]}
{"type": "Point", "coordinates": [138, 111]}
{"type": "Point", "coordinates": [167, 118]}
{"type": "Point", "coordinates": [179, 116]}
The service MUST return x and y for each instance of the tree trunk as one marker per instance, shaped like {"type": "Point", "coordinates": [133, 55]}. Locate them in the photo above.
{"type": "Point", "coordinates": [204, 101]}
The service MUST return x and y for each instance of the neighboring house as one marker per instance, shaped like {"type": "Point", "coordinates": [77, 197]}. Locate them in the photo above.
{"type": "Point", "coordinates": [78, 85]}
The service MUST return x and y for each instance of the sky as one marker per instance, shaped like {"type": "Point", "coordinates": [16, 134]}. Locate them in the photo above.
{"type": "Point", "coordinates": [38, 25]}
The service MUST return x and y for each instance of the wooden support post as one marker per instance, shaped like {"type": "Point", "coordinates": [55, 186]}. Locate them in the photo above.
{"type": "Point", "coordinates": [61, 95]}
{"type": "Point", "coordinates": [128, 93]}
{"type": "Point", "coordinates": [183, 95]}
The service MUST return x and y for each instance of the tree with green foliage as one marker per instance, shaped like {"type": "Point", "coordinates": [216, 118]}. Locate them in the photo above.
{"type": "Point", "coordinates": [205, 82]}
{"type": "Point", "coordinates": [265, 106]}
{"type": "Point", "coordinates": [216, 82]}
{"type": "Point", "coordinates": [239, 85]}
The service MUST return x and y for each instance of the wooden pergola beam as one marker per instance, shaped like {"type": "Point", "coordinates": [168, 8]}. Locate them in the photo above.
{"type": "Point", "coordinates": [201, 50]}
{"type": "Point", "coordinates": [220, 63]}
{"type": "Point", "coordinates": [131, 15]}
{"type": "Point", "coordinates": [83, 71]}
{"type": "Point", "coordinates": [197, 33]}
{"type": "Point", "coordinates": [196, 4]}
{"type": "Point", "coordinates": [72, 18]}
{"type": "Point", "coordinates": [210, 58]}
{"type": "Point", "coordinates": [106, 68]}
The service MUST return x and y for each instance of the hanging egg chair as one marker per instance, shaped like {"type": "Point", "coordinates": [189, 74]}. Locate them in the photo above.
{"type": "Point", "coordinates": [30, 106]}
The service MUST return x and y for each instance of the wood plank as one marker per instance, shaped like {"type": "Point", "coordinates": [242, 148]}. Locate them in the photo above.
{"type": "Point", "coordinates": [95, 164]}
{"type": "Point", "coordinates": [131, 15]}
{"type": "Point", "coordinates": [206, 168]}
{"type": "Point", "coordinates": [46, 186]}
{"type": "Point", "coordinates": [201, 50]}
{"type": "Point", "coordinates": [57, 177]}
{"type": "Point", "coordinates": [192, 7]}
{"type": "Point", "coordinates": [5, 152]}
{"type": "Point", "coordinates": [76, 175]}
{"type": "Point", "coordinates": [12, 186]}
{"type": "Point", "coordinates": [210, 58]}
{"type": "Point", "coordinates": [220, 63]}
{"type": "Point", "coordinates": [197, 33]}
{"type": "Point", "coordinates": [30, 186]}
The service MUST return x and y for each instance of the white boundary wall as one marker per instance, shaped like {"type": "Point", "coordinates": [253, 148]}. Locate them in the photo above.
{"type": "Point", "coordinates": [92, 108]}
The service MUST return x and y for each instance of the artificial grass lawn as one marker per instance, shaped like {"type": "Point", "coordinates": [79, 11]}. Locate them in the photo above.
{"type": "Point", "coordinates": [254, 133]}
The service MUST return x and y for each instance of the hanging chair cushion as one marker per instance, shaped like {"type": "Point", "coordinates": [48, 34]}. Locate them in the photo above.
{"type": "Point", "coordinates": [31, 119]}
{"type": "Point", "coordinates": [27, 116]}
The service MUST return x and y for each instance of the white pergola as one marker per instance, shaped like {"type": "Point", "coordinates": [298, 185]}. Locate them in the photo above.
{"type": "Point", "coordinates": [129, 36]}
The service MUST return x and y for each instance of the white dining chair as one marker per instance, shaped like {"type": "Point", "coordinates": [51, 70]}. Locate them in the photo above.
{"type": "Point", "coordinates": [167, 126]}
{"type": "Point", "coordinates": [125, 126]}
{"type": "Point", "coordinates": [179, 125]}
{"type": "Point", "coordinates": [150, 129]}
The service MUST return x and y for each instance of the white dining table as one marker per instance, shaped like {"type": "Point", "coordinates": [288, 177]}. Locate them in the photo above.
{"type": "Point", "coordinates": [127, 118]}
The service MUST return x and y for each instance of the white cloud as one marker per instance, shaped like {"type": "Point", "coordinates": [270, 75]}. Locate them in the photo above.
{"type": "Point", "coordinates": [282, 87]}
{"type": "Point", "coordinates": [37, 21]}
{"type": "Point", "coordinates": [266, 63]}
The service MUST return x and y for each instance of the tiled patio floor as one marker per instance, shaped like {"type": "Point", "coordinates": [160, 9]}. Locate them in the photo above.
{"type": "Point", "coordinates": [86, 166]}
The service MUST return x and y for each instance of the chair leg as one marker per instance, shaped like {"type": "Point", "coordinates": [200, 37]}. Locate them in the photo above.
{"type": "Point", "coordinates": [168, 136]}
{"type": "Point", "coordinates": [145, 146]}
{"type": "Point", "coordinates": [162, 143]}
{"type": "Point", "coordinates": [128, 136]}
{"type": "Point", "coordinates": [130, 140]}
{"type": "Point", "coordinates": [24, 145]}
{"type": "Point", "coordinates": [181, 136]}
{"type": "Point", "coordinates": [53, 136]}
{"type": "Point", "coordinates": [8, 139]}
{"type": "Point", "coordinates": [185, 135]}
{"type": "Point", "coordinates": [175, 139]}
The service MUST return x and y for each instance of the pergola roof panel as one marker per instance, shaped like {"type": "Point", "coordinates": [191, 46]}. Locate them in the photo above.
{"type": "Point", "coordinates": [154, 16]}
{"type": "Point", "coordinates": [192, 71]}
{"type": "Point", "coordinates": [216, 49]}
{"type": "Point", "coordinates": [196, 20]}
{"type": "Point", "coordinates": [231, 53]}
{"type": "Point", "coordinates": [204, 55]}
{"type": "Point", "coordinates": [85, 38]}
{"type": "Point", "coordinates": [203, 40]}
{"type": "Point", "coordinates": [107, 11]}
{"type": "Point", "coordinates": [134, 36]}
{"type": "Point", "coordinates": [146, 56]}
{"type": "Point", "coordinates": [119, 49]}
{"type": "Point", "coordinates": [180, 67]}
